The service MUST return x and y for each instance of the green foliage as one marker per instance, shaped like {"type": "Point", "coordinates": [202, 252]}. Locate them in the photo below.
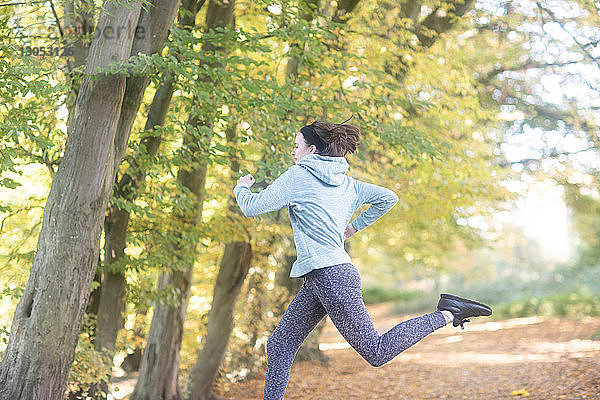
{"type": "Point", "coordinates": [8, 295]}
{"type": "Point", "coordinates": [379, 294]}
{"type": "Point", "coordinates": [89, 367]}
{"type": "Point", "coordinates": [30, 94]}
{"type": "Point", "coordinates": [13, 293]}
{"type": "Point", "coordinates": [18, 233]}
{"type": "Point", "coordinates": [586, 222]}
{"type": "Point", "coordinates": [573, 305]}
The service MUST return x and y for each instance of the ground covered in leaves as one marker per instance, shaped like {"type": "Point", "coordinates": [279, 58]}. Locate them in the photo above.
{"type": "Point", "coordinates": [537, 358]}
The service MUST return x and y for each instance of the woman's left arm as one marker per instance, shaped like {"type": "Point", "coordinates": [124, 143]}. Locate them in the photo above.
{"type": "Point", "coordinates": [274, 197]}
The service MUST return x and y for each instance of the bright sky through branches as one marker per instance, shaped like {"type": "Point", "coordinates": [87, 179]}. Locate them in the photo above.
{"type": "Point", "coordinates": [552, 35]}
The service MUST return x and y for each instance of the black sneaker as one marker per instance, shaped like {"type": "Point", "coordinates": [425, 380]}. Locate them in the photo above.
{"type": "Point", "coordinates": [462, 309]}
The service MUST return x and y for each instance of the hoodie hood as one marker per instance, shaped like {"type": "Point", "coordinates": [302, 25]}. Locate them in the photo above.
{"type": "Point", "coordinates": [331, 170]}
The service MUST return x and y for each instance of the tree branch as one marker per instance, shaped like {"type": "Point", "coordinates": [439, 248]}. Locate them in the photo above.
{"type": "Point", "coordinates": [344, 8]}
{"type": "Point", "coordinates": [580, 45]}
{"type": "Point", "coordinates": [553, 154]}
{"type": "Point", "coordinates": [440, 22]}
{"type": "Point", "coordinates": [525, 66]}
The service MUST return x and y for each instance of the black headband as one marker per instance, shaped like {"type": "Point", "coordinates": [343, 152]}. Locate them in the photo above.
{"type": "Point", "coordinates": [311, 137]}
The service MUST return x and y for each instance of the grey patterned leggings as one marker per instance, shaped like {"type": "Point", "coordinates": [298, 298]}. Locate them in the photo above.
{"type": "Point", "coordinates": [337, 292]}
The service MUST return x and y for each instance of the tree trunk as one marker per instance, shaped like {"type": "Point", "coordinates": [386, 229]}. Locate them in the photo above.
{"type": "Point", "coordinates": [117, 220]}
{"type": "Point", "coordinates": [94, 299]}
{"type": "Point", "coordinates": [47, 320]}
{"type": "Point", "coordinates": [157, 20]}
{"type": "Point", "coordinates": [158, 377]}
{"type": "Point", "coordinates": [232, 273]}
{"type": "Point", "coordinates": [78, 22]}
{"type": "Point", "coordinates": [116, 225]}
{"type": "Point", "coordinates": [112, 295]}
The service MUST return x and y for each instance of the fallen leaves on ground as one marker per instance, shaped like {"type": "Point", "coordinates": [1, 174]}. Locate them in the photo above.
{"type": "Point", "coordinates": [537, 358]}
{"type": "Point", "coordinates": [520, 392]}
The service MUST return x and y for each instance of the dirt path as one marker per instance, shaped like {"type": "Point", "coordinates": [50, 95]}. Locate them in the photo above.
{"type": "Point", "coordinates": [537, 358]}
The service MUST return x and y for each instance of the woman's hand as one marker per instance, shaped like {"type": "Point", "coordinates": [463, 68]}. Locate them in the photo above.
{"type": "Point", "coordinates": [247, 179]}
{"type": "Point", "coordinates": [349, 231]}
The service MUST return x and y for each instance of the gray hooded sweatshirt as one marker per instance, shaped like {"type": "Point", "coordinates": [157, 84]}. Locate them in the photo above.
{"type": "Point", "coordinates": [321, 199]}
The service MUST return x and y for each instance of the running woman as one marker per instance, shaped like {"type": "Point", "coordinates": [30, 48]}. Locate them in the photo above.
{"type": "Point", "coordinates": [321, 199]}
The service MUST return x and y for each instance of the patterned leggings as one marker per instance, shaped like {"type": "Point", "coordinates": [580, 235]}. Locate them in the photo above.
{"type": "Point", "coordinates": [336, 291]}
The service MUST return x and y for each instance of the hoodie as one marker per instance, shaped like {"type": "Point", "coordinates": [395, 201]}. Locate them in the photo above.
{"type": "Point", "coordinates": [321, 199]}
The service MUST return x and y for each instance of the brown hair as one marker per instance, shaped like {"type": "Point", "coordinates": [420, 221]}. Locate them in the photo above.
{"type": "Point", "coordinates": [339, 139]}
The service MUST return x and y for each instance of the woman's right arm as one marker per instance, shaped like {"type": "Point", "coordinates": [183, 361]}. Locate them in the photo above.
{"type": "Point", "coordinates": [272, 198]}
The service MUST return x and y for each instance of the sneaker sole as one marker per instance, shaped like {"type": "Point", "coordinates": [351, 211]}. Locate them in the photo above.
{"type": "Point", "coordinates": [452, 297]}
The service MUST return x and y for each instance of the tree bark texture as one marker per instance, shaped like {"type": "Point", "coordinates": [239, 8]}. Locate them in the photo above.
{"type": "Point", "coordinates": [117, 221]}
{"type": "Point", "coordinates": [112, 293]}
{"type": "Point", "coordinates": [157, 379]}
{"type": "Point", "coordinates": [47, 320]}
{"type": "Point", "coordinates": [78, 22]}
{"type": "Point", "coordinates": [156, 22]}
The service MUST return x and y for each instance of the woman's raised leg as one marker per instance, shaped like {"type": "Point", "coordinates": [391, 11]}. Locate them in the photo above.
{"type": "Point", "coordinates": [302, 315]}
{"type": "Point", "coordinates": [339, 290]}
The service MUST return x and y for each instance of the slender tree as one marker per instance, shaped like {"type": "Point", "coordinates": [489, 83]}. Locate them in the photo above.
{"type": "Point", "coordinates": [159, 370]}
{"type": "Point", "coordinates": [230, 278]}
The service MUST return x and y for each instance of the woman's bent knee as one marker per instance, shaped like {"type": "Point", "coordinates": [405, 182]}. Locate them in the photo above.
{"type": "Point", "coordinates": [375, 362]}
